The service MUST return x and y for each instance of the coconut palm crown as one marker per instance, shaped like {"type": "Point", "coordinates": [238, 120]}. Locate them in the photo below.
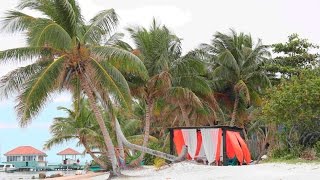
{"type": "Point", "coordinates": [160, 51]}
{"type": "Point", "coordinates": [65, 53]}
{"type": "Point", "coordinates": [236, 64]}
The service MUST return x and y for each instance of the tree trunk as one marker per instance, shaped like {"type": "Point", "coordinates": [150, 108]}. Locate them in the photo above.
{"type": "Point", "coordinates": [245, 134]}
{"type": "Point", "coordinates": [120, 144]}
{"type": "Point", "coordinates": [160, 154]}
{"type": "Point", "coordinates": [121, 148]}
{"type": "Point", "coordinates": [106, 137]}
{"type": "Point", "coordinates": [94, 157]}
{"type": "Point", "coordinates": [149, 109]}
{"type": "Point", "coordinates": [184, 115]}
{"type": "Point", "coordinates": [235, 108]}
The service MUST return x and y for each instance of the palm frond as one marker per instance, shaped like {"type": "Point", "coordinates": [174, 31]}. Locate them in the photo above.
{"type": "Point", "coordinates": [46, 7]}
{"type": "Point", "coordinates": [184, 96]}
{"type": "Point", "coordinates": [111, 80]}
{"type": "Point", "coordinates": [37, 91]}
{"type": "Point", "coordinates": [195, 83]}
{"type": "Point", "coordinates": [15, 21]}
{"type": "Point", "coordinates": [124, 61]}
{"type": "Point", "coordinates": [12, 82]}
{"type": "Point", "coordinates": [70, 15]}
{"type": "Point", "coordinates": [187, 66]}
{"type": "Point", "coordinates": [100, 25]}
{"type": "Point", "coordinates": [114, 39]}
{"type": "Point", "coordinates": [157, 47]}
{"type": "Point", "coordinates": [56, 141]}
{"type": "Point", "coordinates": [227, 59]}
{"type": "Point", "coordinates": [51, 34]}
{"type": "Point", "coordinates": [23, 54]}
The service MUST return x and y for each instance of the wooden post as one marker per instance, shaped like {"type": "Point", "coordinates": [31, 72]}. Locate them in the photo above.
{"type": "Point", "coordinates": [224, 140]}
{"type": "Point", "coordinates": [171, 141]}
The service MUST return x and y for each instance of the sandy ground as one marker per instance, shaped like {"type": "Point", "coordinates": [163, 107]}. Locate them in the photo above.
{"type": "Point", "coordinates": [185, 170]}
{"type": "Point", "coordinates": [81, 177]}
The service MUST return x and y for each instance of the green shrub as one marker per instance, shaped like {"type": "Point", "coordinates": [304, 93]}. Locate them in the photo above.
{"type": "Point", "coordinates": [130, 158]}
{"type": "Point", "coordinates": [286, 153]}
{"type": "Point", "coordinates": [317, 148]}
{"type": "Point", "coordinates": [279, 153]}
{"type": "Point", "coordinates": [159, 162]}
{"type": "Point", "coordinates": [308, 154]}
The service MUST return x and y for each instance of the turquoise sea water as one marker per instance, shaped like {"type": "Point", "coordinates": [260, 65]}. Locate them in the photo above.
{"type": "Point", "coordinates": [28, 175]}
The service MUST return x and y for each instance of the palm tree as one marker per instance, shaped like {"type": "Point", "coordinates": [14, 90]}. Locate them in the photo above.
{"type": "Point", "coordinates": [236, 64]}
{"type": "Point", "coordinates": [160, 51]}
{"type": "Point", "coordinates": [79, 124]}
{"type": "Point", "coordinates": [65, 53]}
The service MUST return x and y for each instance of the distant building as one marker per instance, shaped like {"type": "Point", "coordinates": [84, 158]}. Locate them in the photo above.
{"type": "Point", "coordinates": [26, 157]}
{"type": "Point", "coordinates": [69, 156]}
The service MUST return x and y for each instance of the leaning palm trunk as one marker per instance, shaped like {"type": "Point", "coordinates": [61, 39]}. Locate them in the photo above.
{"type": "Point", "coordinates": [119, 132]}
{"type": "Point", "coordinates": [106, 136]}
{"type": "Point", "coordinates": [160, 154]}
{"type": "Point", "coordinates": [121, 148]}
{"type": "Point", "coordinates": [184, 115]}
{"type": "Point", "coordinates": [235, 108]}
{"type": "Point", "coordinates": [120, 144]}
{"type": "Point", "coordinates": [94, 157]}
{"type": "Point", "coordinates": [149, 108]}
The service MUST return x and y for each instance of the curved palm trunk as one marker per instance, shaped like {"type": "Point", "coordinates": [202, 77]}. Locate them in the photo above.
{"type": "Point", "coordinates": [119, 132]}
{"type": "Point", "coordinates": [184, 115]}
{"type": "Point", "coordinates": [94, 157]}
{"type": "Point", "coordinates": [149, 108]}
{"type": "Point", "coordinates": [120, 144]}
{"type": "Point", "coordinates": [235, 108]}
{"type": "Point", "coordinates": [105, 133]}
{"type": "Point", "coordinates": [121, 148]}
{"type": "Point", "coordinates": [160, 154]}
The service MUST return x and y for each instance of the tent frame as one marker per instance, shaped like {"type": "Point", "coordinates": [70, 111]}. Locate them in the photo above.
{"type": "Point", "coordinates": [224, 137]}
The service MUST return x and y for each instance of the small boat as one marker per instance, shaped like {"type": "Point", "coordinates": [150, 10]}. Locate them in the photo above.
{"type": "Point", "coordinates": [7, 168]}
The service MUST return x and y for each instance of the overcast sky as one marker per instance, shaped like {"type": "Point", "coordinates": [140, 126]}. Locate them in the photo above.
{"type": "Point", "coordinates": [193, 21]}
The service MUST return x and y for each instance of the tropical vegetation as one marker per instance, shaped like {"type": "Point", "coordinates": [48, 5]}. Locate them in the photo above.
{"type": "Point", "coordinates": [126, 95]}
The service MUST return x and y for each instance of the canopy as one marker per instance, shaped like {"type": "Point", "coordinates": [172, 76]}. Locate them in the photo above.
{"type": "Point", "coordinates": [208, 143]}
{"type": "Point", "coordinates": [69, 151]}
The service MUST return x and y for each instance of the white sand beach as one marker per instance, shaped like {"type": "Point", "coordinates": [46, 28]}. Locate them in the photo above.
{"type": "Point", "coordinates": [185, 170]}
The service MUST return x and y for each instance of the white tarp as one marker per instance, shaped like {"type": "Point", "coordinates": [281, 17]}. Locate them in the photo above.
{"type": "Point", "coordinates": [190, 139]}
{"type": "Point", "coordinates": [209, 143]}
